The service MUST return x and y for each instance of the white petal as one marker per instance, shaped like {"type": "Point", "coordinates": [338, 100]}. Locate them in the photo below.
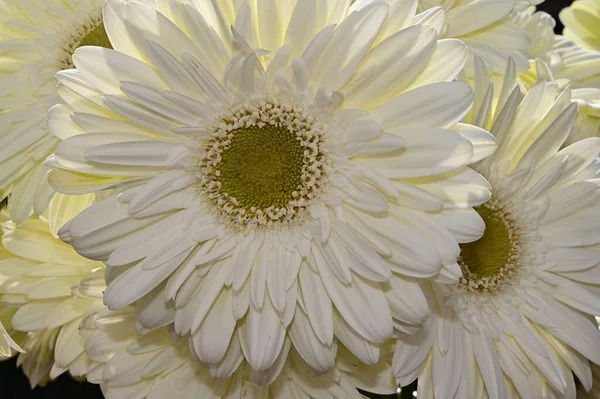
{"type": "Point", "coordinates": [317, 304]}
{"type": "Point", "coordinates": [446, 62]}
{"type": "Point", "coordinates": [347, 47]}
{"type": "Point", "coordinates": [211, 340]}
{"type": "Point", "coordinates": [262, 335]}
{"type": "Point", "coordinates": [468, 188]}
{"type": "Point", "coordinates": [318, 356]}
{"type": "Point", "coordinates": [105, 69]}
{"type": "Point", "coordinates": [138, 153]}
{"type": "Point", "coordinates": [436, 105]}
{"type": "Point", "coordinates": [470, 17]}
{"type": "Point", "coordinates": [390, 66]}
{"type": "Point", "coordinates": [428, 151]}
{"type": "Point", "coordinates": [361, 304]}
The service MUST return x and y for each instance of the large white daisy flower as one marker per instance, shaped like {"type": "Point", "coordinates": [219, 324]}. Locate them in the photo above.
{"type": "Point", "coordinates": [307, 159]}
{"type": "Point", "coordinates": [43, 287]}
{"type": "Point", "coordinates": [485, 26]}
{"type": "Point", "coordinates": [37, 39]}
{"type": "Point", "coordinates": [151, 365]}
{"type": "Point", "coordinates": [518, 322]}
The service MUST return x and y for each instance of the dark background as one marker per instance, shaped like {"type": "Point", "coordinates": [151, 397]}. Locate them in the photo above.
{"type": "Point", "coordinates": [14, 385]}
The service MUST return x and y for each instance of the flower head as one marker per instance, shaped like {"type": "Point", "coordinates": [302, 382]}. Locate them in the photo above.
{"type": "Point", "coordinates": [509, 326]}
{"type": "Point", "coordinates": [287, 177]}
{"type": "Point", "coordinates": [37, 39]}
{"type": "Point", "coordinates": [47, 287]}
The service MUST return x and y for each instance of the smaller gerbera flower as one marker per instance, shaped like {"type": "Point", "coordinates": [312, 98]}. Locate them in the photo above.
{"type": "Point", "coordinates": [151, 365]}
{"type": "Point", "coordinates": [37, 39]}
{"type": "Point", "coordinates": [582, 23]}
{"type": "Point", "coordinates": [47, 286]}
{"type": "Point", "coordinates": [519, 323]}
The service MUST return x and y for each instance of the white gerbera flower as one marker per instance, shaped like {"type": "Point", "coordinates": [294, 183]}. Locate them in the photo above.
{"type": "Point", "coordinates": [321, 174]}
{"type": "Point", "coordinates": [582, 23]}
{"type": "Point", "coordinates": [518, 322]}
{"type": "Point", "coordinates": [152, 365]}
{"type": "Point", "coordinates": [37, 39]}
{"type": "Point", "coordinates": [484, 26]}
{"type": "Point", "coordinates": [43, 283]}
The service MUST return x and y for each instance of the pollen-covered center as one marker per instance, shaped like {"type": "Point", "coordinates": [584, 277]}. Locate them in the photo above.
{"type": "Point", "coordinates": [264, 163]}
{"type": "Point", "coordinates": [491, 261]}
{"type": "Point", "coordinates": [262, 166]}
{"type": "Point", "coordinates": [89, 34]}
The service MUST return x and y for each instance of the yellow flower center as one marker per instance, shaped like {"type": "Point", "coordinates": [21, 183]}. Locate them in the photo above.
{"type": "Point", "coordinates": [96, 37]}
{"type": "Point", "coordinates": [263, 164]}
{"type": "Point", "coordinates": [491, 261]}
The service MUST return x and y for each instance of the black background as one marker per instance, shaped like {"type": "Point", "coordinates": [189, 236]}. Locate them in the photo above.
{"type": "Point", "coordinates": [14, 385]}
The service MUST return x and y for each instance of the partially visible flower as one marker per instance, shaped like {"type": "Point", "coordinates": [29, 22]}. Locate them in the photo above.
{"type": "Point", "coordinates": [519, 323]}
{"type": "Point", "coordinates": [580, 67]}
{"type": "Point", "coordinates": [152, 365]}
{"type": "Point", "coordinates": [582, 23]}
{"type": "Point", "coordinates": [265, 196]}
{"type": "Point", "coordinates": [540, 28]}
{"type": "Point", "coordinates": [587, 123]}
{"type": "Point", "coordinates": [37, 39]}
{"type": "Point", "coordinates": [43, 287]}
{"type": "Point", "coordinates": [11, 341]}
{"type": "Point", "coordinates": [8, 345]}
{"type": "Point", "coordinates": [593, 393]}
{"type": "Point", "coordinates": [566, 64]}
{"type": "Point", "coordinates": [485, 26]}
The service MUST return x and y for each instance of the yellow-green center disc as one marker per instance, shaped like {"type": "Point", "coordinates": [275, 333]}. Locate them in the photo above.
{"type": "Point", "coordinates": [488, 255]}
{"type": "Point", "coordinates": [96, 37]}
{"type": "Point", "coordinates": [262, 167]}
